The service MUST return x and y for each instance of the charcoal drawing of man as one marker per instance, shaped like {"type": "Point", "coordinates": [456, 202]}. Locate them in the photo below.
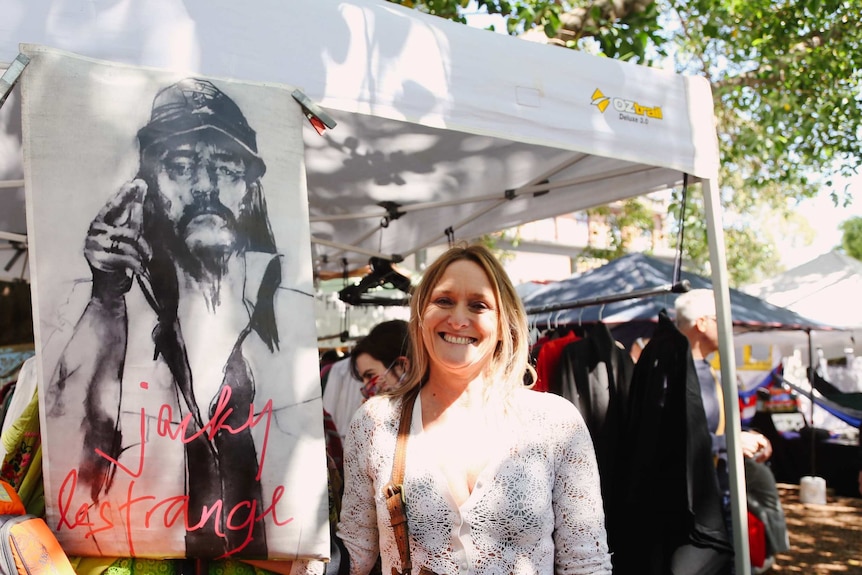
{"type": "Point", "coordinates": [191, 236]}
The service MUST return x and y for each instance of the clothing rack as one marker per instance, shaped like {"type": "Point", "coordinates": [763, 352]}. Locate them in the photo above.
{"type": "Point", "coordinates": [680, 286]}
{"type": "Point", "coordinates": [343, 336]}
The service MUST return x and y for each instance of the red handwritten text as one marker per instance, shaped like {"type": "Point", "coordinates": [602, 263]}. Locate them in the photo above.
{"type": "Point", "coordinates": [96, 517]}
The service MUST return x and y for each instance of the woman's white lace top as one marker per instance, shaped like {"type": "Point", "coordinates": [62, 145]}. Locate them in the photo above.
{"type": "Point", "coordinates": [536, 508]}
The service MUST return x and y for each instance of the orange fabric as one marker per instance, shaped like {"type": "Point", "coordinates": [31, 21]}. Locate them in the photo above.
{"type": "Point", "coordinates": [10, 502]}
{"type": "Point", "coordinates": [36, 550]}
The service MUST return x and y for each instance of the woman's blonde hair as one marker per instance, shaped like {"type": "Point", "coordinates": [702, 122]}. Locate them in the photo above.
{"type": "Point", "coordinates": [510, 362]}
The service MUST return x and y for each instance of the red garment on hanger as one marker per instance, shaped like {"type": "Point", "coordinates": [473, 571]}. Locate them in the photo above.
{"type": "Point", "coordinates": [549, 359]}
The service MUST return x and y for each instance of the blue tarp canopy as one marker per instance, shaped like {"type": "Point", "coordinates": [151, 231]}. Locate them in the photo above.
{"type": "Point", "coordinates": [636, 273]}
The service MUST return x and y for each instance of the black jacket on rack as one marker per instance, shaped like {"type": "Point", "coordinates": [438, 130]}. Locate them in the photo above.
{"type": "Point", "coordinates": [16, 313]}
{"type": "Point", "coordinates": [594, 373]}
{"type": "Point", "coordinates": [668, 518]}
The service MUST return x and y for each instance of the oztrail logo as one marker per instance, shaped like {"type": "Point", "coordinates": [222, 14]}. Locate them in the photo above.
{"type": "Point", "coordinates": [629, 110]}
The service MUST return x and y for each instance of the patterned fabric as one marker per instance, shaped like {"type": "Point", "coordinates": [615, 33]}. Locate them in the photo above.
{"type": "Point", "coordinates": [12, 357]}
{"type": "Point", "coordinates": [536, 507]}
{"type": "Point", "coordinates": [232, 567]}
{"type": "Point", "coordinates": [144, 566]}
{"type": "Point", "coordinates": [22, 466]}
{"type": "Point", "coordinates": [134, 566]}
{"type": "Point", "coordinates": [35, 549]}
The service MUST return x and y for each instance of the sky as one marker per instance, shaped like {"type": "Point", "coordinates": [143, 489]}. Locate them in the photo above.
{"type": "Point", "coordinates": [825, 218]}
{"type": "Point", "coordinates": [482, 19]}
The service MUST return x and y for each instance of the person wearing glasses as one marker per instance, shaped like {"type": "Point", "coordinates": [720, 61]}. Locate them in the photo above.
{"type": "Point", "coordinates": [696, 319]}
{"type": "Point", "coordinates": [380, 360]}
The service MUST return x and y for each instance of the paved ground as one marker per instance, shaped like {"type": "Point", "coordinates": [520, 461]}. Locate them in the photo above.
{"type": "Point", "coordinates": [824, 539]}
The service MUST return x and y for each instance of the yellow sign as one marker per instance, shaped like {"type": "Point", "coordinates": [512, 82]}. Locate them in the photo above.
{"type": "Point", "coordinates": [625, 107]}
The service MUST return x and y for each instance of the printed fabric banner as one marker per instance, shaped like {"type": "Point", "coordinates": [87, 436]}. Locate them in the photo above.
{"type": "Point", "coordinates": [179, 386]}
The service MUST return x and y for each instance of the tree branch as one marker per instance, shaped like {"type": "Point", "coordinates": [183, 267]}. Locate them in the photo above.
{"type": "Point", "coordinates": [578, 23]}
{"type": "Point", "coordinates": [579, 20]}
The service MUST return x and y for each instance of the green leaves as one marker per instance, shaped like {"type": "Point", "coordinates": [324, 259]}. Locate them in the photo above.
{"type": "Point", "coordinates": [851, 240]}
{"type": "Point", "coordinates": [786, 78]}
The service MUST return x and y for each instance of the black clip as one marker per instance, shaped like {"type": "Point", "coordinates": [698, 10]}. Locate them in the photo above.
{"type": "Point", "coordinates": [392, 213]}
{"type": "Point", "coordinates": [20, 250]}
{"type": "Point", "coordinates": [544, 182]}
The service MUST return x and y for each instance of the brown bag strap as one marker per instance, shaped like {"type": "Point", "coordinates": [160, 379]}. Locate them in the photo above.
{"type": "Point", "coordinates": [394, 490]}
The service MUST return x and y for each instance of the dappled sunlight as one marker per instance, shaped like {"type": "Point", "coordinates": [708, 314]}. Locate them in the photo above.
{"type": "Point", "coordinates": [824, 539]}
{"type": "Point", "coordinates": [162, 30]}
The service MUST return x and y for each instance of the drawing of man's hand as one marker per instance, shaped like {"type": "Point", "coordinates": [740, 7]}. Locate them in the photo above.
{"type": "Point", "coordinates": [115, 247]}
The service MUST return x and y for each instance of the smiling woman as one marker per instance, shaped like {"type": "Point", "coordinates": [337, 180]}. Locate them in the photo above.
{"type": "Point", "coordinates": [496, 477]}
{"type": "Point", "coordinates": [460, 326]}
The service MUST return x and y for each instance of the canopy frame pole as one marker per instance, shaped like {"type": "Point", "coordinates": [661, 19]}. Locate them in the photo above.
{"type": "Point", "coordinates": [355, 249]}
{"type": "Point", "coordinates": [812, 367]}
{"type": "Point", "coordinates": [676, 287]}
{"type": "Point", "coordinates": [445, 234]}
{"type": "Point", "coordinates": [357, 241]}
{"type": "Point", "coordinates": [510, 194]}
{"type": "Point", "coordinates": [450, 230]}
{"type": "Point", "coordinates": [13, 237]}
{"type": "Point", "coordinates": [736, 470]}
{"type": "Point", "coordinates": [541, 187]}
{"type": "Point", "coordinates": [473, 200]}
{"type": "Point", "coordinates": [537, 185]}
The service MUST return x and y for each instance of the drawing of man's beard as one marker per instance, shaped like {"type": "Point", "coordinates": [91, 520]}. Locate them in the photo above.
{"type": "Point", "coordinates": [209, 232]}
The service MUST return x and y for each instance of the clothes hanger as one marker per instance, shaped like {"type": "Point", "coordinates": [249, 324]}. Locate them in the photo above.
{"type": "Point", "coordinates": [382, 273]}
{"type": "Point", "coordinates": [557, 320]}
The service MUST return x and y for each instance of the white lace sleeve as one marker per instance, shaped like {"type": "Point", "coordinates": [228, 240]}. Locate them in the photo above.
{"type": "Point", "coordinates": [358, 522]}
{"type": "Point", "coordinates": [536, 504]}
{"type": "Point", "coordinates": [580, 538]}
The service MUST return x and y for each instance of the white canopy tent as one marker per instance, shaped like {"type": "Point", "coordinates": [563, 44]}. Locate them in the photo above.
{"type": "Point", "coordinates": [456, 132]}
{"type": "Point", "coordinates": [821, 289]}
{"type": "Point", "coordinates": [434, 116]}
